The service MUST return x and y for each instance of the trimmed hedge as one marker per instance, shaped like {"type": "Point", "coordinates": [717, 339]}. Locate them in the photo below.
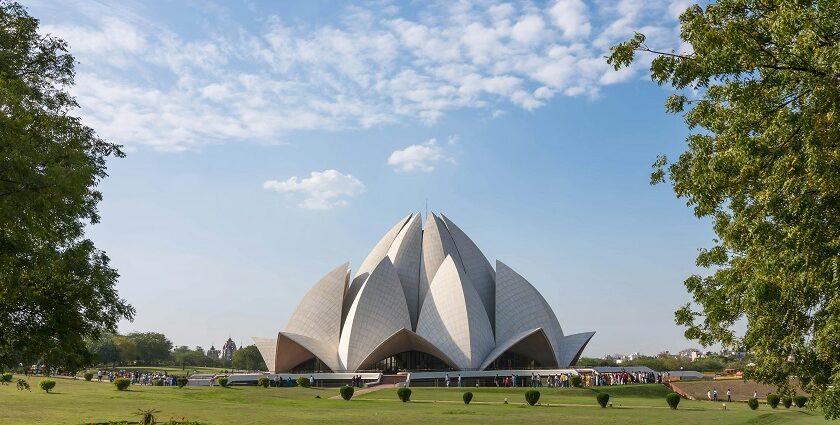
{"type": "Point", "coordinates": [263, 382]}
{"type": "Point", "coordinates": [6, 378]}
{"type": "Point", "coordinates": [88, 376]}
{"type": "Point", "coordinates": [157, 382]}
{"type": "Point", "coordinates": [673, 400]}
{"type": "Point", "coordinates": [122, 383]}
{"type": "Point", "coordinates": [47, 385]}
{"type": "Point", "coordinates": [302, 382]}
{"type": "Point", "coordinates": [800, 400]}
{"type": "Point", "coordinates": [603, 399]}
{"type": "Point", "coordinates": [787, 401]}
{"type": "Point", "coordinates": [577, 382]}
{"type": "Point", "coordinates": [346, 392]}
{"type": "Point", "coordinates": [773, 400]}
{"type": "Point", "coordinates": [753, 403]}
{"type": "Point", "coordinates": [532, 397]}
{"type": "Point", "coordinates": [467, 397]}
{"type": "Point", "coordinates": [404, 394]}
{"type": "Point", "coordinates": [181, 382]}
{"type": "Point", "coordinates": [223, 382]}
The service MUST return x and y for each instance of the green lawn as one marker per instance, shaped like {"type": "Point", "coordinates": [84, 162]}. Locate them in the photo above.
{"type": "Point", "coordinates": [80, 402]}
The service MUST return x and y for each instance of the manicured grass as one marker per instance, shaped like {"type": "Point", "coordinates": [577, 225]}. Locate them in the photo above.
{"type": "Point", "coordinates": [80, 402]}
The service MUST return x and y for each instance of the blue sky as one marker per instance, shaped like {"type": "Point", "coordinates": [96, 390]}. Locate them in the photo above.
{"type": "Point", "coordinates": [270, 142]}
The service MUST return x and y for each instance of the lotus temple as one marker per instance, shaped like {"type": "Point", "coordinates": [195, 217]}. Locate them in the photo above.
{"type": "Point", "coordinates": [425, 299]}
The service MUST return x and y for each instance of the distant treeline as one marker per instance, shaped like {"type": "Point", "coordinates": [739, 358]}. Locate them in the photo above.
{"type": "Point", "coordinates": [664, 363]}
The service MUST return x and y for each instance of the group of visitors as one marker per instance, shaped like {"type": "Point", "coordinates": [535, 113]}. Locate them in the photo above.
{"type": "Point", "coordinates": [622, 378]}
{"type": "Point", "coordinates": [137, 377]}
{"type": "Point", "coordinates": [712, 394]}
{"type": "Point", "coordinates": [357, 381]}
{"type": "Point", "coordinates": [447, 380]}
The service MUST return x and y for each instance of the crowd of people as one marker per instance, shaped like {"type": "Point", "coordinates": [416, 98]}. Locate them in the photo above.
{"type": "Point", "coordinates": [138, 378]}
{"type": "Point", "coordinates": [623, 378]}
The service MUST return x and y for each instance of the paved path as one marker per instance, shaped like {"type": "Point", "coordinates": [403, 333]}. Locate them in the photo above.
{"type": "Point", "coordinates": [364, 390]}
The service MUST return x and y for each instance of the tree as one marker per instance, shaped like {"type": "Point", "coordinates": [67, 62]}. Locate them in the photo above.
{"type": "Point", "coordinates": [152, 347]}
{"type": "Point", "coordinates": [56, 288]}
{"type": "Point", "coordinates": [127, 348]}
{"type": "Point", "coordinates": [760, 89]}
{"type": "Point", "coordinates": [105, 350]}
{"type": "Point", "coordinates": [248, 358]}
{"type": "Point", "coordinates": [183, 356]}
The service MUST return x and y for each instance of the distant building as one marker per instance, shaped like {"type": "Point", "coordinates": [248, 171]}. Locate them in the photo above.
{"type": "Point", "coordinates": [213, 353]}
{"type": "Point", "coordinates": [690, 353]}
{"type": "Point", "coordinates": [228, 349]}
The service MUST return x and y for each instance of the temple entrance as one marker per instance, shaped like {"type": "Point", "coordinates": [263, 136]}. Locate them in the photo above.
{"type": "Point", "coordinates": [511, 360]}
{"type": "Point", "coordinates": [312, 365]}
{"type": "Point", "coordinates": [409, 361]}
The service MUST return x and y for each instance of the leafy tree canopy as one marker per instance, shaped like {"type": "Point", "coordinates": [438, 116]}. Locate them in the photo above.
{"type": "Point", "coordinates": [760, 88]}
{"type": "Point", "coordinates": [248, 358]}
{"type": "Point", "coordinates": [56, 289]}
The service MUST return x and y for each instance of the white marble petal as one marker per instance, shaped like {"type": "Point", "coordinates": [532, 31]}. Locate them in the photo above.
{"type": "Point", "coordinates": [268, 349]}
{"type": "Point", "coordinates": [406, 253]}
{"type": "Point", "coordinates": [453, 318]}
{"type": "Point", "coordinates": [571, 347]}
{"type": "Point", "coordinates": [437, 245]}
{"type": "Point", "coordinates": [318, 315]}
{"type": "Point", "coordinates": [478, 269]}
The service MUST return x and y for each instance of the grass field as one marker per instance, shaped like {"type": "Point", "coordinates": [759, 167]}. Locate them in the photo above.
{"type": "Point", "coordinates": [80, 402]}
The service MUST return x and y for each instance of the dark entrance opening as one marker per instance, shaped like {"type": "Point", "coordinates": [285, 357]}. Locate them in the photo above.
{"type": "Point", "coordinates": [511, 360]}
{"type": "Point", "coordinates": [409, 360]}
{"type": "Point", "coordinates": [312, 365]}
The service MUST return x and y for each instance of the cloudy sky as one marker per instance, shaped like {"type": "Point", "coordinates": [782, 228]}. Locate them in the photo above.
{"type": "Point", "coordinates": [270, 142]}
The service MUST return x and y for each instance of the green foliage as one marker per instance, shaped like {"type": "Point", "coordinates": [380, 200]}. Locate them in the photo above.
{"type": "Point", "coordinates": [57, 287]}
{"type": "Point", "coordinates": [122, 383]}
{"type": "Point", "coordinates": [248, 358]}
{"type": "Point", "coordinates": [773, 400]}
{"type": "Point", "coordinates": [603, 399]}
{"type": "Point", "coordinates": [88, 376]}
{"type": "Point", "coordinates": [184, 356]}
{"type": "Point", "coordinates": [151, 347]}
{"type": "Point", "coordinates": [577, 381]}
{"type": "Point", "coordinates": [23, 385]}
{"type": "Point", "coordinates": [47, 385]}
{"type": "Point", "coordinates": [223, 382]}
{"type": "Point", "coordinates": [302, 382]}
{"type": "Point", "coordinates": [532, 397]}
{"type": "Point", "coordinates": [263, 382]}
{"type": "Point", "coordinates": [673, 400]}
{"type": "Point", "coordinates": [157, 382]}
{"type": "Point", "coordinates": [800, 400]}
{"type": "Point", "coordinates": [404, 394]}
{"type": "Point", "coordinates": [753, 403]}
{"type": "Point", "coordinates": [787, 402]}
{"type": "Point", "coordinates": [147, 417]}
{"type": "Point", "coordinates": [346, 392]}
{"type": "Point", "coordinates": [759, 87]}
{"type": "Point", "coordinates": [468, 396]}
{"type": "Point", "coordinates": [181, 381]}
{"type": "Point", "coordinates": [6, 378]}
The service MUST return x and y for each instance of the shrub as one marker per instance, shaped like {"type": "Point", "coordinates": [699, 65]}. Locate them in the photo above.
{"type": "Point", "coordinates": [147, 417]}
{"type": "Point", "coordinates": [88, 376]}
{"type": "Point", "coordinates": [800, 400]}
{"type": "Point", "coordinates": [346, 392]}
{"type": "Point", "coordinates": [576, 381]}
{"type": "Point", "coordinates": [23, 385]}
{"type": "Point", "coordinates": [302, 382]}
{"type": "Point", "coordinates": [532, 397]}
{"type": "Point", "coordinates": [404, 394]}
{"type": "Point", "coordinates": [122, 383]}
{"type": "Point", "coordinates": [6, 378]}
{"type": "Point", "coordinates": [467, 397]}
{"type": "Point", "coordinates": [773, 400]}
{"type": "Point", "coordinates": [157, 382]}
{"type": "Point", "coordinates": [787, 401]}
{"type": "Point", "coordinates": [263, 382]}
{"type": "Point", "coordinates": [603, 399]}
{"type": "Point", "coordinates": [47, 385]}
{"type": "Point", "coordinates": [673, 400]}
{"type": "Point", "coordinates": [223, 382]}
{"type": "Point", "coordinates": [753, 403]}
{"type": "Point", "coordinates": [181, 382]}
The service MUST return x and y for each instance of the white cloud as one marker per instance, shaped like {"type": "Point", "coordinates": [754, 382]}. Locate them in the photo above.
{"type": "Point", "coordinates": [422, 157]}
{"type": "Point", "coordinates": [140, 83]}
{"type": "Point", "coordinates": [322, 190]}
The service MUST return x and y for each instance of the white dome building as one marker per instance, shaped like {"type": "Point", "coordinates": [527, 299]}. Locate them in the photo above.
{"type": "Point", "coordinates": [425, 298]}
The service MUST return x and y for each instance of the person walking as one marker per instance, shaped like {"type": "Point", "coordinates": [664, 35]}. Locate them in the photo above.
{"type": "Point", "coordinates": [459, 380]}
{"type": "Point", "coordinates": [714, 394]}
{"type": "Point", "coordinates": [709, 395]}
{"type": "Point", "coordinates": [729, 394]}
{"type": "Point", "coordinates": [447, 380]}
{"type": "Point", "coordinates": [311, 381]}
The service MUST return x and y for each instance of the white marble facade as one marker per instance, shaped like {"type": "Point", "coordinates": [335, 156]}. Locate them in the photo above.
{"type": "Point", "coordinates": [428, 289]}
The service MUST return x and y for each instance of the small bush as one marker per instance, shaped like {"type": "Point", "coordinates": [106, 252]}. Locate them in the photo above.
{"type": "Point", "coordinates": [6, 378]}
{"type": "Point", "coordinates": [467, 397]}
{"type": "Point", "coordinates": [753, 403]}
{"type": "Point", "coordinates": [47, 385]}
{"type": "Point", "coordinates": [800, 400]}
{"type": "Point", "coordinates": [157, 382]}
{"type": "Point", "coordinates": [773, 400]}
{"type": "Point", "coordinates": [576, 381]}
{"type": "Point", "coordinates": [122, 383]}
{"type": "Point", "coordinates": [147, 417]}
{"type": "Point", "coordinates": [346, 392]}
{"type": "Point", "coordinates": [263, 382]}
{"type": "Point", "coordinates": [23, 385]}
{"type": "Point", "coordinates": [223, 382]}
{"type": "Point", "coordinates": [302, 382]}
{"type": "Point", "coordinates": [603, 399]}
{"type": "Point", "coordinates": [88, 376]}
{"type": "Point", "coordinates": [673, 400]}
{"type": "Point", "coordinates": [532, 397]}
{"type": "Point", "coordinates": [181, 382]}
{"type": "Point", "coordinates": [404, 394]}
{"type": "Point", "coordinates": [787, 401]}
